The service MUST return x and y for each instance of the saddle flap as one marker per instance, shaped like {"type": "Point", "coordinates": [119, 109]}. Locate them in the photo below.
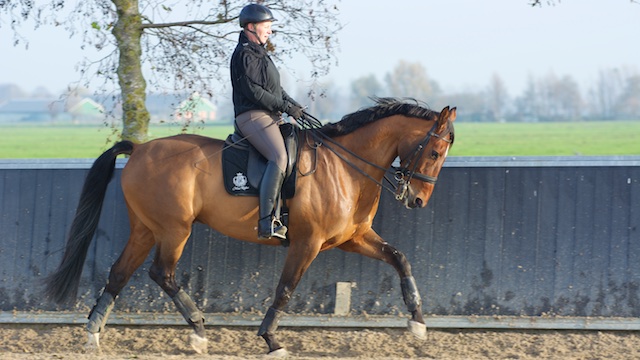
{"type": "Point", "coordinates": [255, 167]}
{"type": "Point", "coordinates": [243, 165]}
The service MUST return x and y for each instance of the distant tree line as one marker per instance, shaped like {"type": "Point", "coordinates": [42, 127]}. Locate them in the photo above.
{"type": "Point", "coordinates": [615, 95]}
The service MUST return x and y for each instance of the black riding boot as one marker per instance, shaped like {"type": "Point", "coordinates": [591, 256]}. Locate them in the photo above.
{"type": "Point", "coordinates": [268, 225]}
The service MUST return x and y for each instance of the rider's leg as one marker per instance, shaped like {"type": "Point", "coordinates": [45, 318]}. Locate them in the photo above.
{"type": "Point", "coordinates": [263, 132]}
{"type": "Point", "coordinates": [270, 186]}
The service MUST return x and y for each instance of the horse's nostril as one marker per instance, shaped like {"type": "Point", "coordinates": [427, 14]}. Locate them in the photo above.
{"type": "Point", "coordinates": [419, 202]}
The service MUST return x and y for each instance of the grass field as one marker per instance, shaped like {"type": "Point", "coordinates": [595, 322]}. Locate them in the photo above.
{"type": "Point", "coordinates": [472, 139]}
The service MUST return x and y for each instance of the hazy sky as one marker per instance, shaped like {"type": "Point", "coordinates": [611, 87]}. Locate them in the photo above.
{"type": "Point", "coordinates": [461, 43]}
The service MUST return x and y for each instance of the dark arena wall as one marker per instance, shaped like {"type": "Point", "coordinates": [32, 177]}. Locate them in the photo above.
{"type": "Point", "coordinates": [500, 237]}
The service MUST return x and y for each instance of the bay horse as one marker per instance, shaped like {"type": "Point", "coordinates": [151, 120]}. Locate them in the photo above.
{"type": "Point", "coordinates": [172, 182]}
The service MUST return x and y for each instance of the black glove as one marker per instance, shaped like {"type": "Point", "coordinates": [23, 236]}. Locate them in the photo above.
{"type": "Point", "coordinates": [295, 111]}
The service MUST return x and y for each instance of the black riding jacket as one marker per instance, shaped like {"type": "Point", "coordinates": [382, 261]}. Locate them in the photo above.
{"type": "Point", "coordinates": [256, 80]}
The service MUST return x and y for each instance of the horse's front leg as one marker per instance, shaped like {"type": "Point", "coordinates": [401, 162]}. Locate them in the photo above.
{"type": "Point", "coordinates": [373, 246]}
{"type": "Point", "coordinates": [299, 257]}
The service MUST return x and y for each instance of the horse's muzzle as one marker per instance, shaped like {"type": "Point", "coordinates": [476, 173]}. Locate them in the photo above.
{"type": "Point", "coordinates": [408, 199]}
{"type": "Point", "coordinates": [412, 203]}
{"type": "Point", "coordinates": [407, 196]}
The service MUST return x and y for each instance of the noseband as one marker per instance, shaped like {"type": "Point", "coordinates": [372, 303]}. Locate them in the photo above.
{"type": "Point", "coordinates": [404, 174]}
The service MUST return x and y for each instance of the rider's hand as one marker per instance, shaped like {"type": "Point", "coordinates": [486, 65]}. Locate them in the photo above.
{"type": "Point", "coordinates": [295, 111]}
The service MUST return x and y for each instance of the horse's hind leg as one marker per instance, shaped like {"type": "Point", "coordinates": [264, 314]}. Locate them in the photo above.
{"type": "Point", "coordinates": [373, 246]}
{"type": "Point", "coordinates": [162, 271]}
{"type": "Point", "coordinates": [140, 243]}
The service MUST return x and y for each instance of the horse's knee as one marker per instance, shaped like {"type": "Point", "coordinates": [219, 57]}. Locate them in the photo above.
{"type": "Point", "coordinates": [397, 259]}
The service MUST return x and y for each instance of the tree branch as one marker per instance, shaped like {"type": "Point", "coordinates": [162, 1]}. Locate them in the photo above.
{"type": "Point", "coordinates": [187, 23]}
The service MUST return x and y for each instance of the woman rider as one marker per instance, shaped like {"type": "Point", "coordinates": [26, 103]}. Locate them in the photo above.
{"type": "Point", "coordinates": [258, 102]}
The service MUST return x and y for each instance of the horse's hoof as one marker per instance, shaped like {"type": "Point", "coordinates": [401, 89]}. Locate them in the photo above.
{"type": "Point", "coordinates": [280, 353]}
{"type": "Point", "coordinates": [417, 329]}
{"type": "Point", "coordinates": [198, 343]}
{"type": "Point", "coordinates": [93, 343]}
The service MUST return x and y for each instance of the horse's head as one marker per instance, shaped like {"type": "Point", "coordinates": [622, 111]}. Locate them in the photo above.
{"type": "Point", "coordinates": [421, 158]}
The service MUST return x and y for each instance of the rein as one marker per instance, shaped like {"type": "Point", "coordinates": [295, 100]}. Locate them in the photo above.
{"type": "Point", "coordinates": [403, 174]}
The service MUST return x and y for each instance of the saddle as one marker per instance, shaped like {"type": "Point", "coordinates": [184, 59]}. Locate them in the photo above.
{"type": "Point", "coordinates": [243, 165]}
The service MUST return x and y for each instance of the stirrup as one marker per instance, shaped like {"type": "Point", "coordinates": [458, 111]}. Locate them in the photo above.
{"type": "Point", "coordinates": [276, 229]}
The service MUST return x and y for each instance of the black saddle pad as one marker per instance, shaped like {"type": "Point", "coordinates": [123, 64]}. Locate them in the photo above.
{"type": "Point", "coordinates": [243, 166]}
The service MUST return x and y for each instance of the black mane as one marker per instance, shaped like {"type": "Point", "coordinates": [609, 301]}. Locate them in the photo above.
{"type": "Point", "coordinates": [384, 107]}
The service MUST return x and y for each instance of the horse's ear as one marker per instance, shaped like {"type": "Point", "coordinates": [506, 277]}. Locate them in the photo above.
{"type": "Point", "coordinates": [442, 119]}
{"type": "Point", "coordinates": [452, 114]}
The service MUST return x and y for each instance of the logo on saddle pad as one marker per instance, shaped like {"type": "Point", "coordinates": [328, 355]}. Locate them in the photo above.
{"type": "Point", "coordinates": [240, 182]}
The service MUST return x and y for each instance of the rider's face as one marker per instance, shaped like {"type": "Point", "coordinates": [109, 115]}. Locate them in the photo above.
{"type": "Point", "coordinates": [262, 31]}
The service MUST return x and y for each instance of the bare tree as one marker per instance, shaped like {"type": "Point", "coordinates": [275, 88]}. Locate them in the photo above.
{"type": "Point", "coordinates": [474, 105]}
{"type": "Point", "coordinates": [550, 99]}
{"type": "Point", "coordinates": [606, 91]}
{"type": "Point", "coordinates": [629, 101]}
{"type": "Point", "coordinates": [323, 99]}
{"type": "Point", "coordinates": [174, 45]}
{"type": "Point", "coordinates": [362, 89]}
{"type": "Point", "coordinates": [411, 80]}
{"type": "Point", "coordinates": [497, 98]}
{"type": "Point", "coordinates": [567, 98]}
{"type": "Point", "coordinates": [528, 105]}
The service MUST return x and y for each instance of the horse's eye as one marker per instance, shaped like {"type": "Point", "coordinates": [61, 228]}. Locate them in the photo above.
{"type": "Point", "coordinates": [434, 155]}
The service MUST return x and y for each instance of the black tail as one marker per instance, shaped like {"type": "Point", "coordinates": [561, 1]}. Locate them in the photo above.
{"type": "Point", "coordinates": [62, 285]}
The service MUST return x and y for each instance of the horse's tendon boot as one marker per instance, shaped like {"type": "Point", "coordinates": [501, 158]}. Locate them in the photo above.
{"type": "Point", "coordinates": [97, 319]}
{"type": "Point", "coordinates": [100, 312]}
{"type": "Point", "coordinates": [195, 318]}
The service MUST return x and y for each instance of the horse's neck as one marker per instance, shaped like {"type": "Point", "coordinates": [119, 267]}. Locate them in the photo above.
{"type": "Point", "coordinates": [376, 143]}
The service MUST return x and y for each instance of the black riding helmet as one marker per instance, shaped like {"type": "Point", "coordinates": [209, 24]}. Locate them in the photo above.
{"type": "Point", "coordinates": [255, 13]}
